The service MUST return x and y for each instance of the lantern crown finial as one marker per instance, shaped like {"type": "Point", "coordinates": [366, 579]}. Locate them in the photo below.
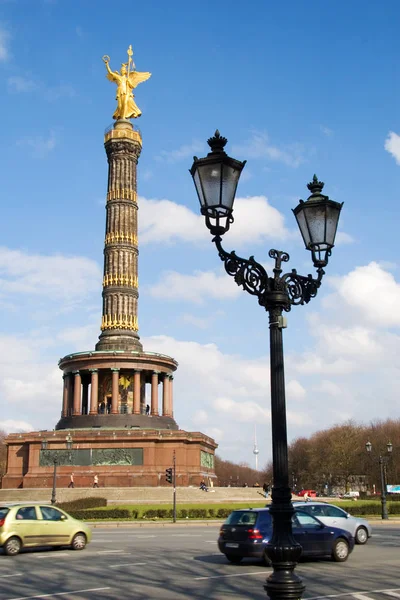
{"type": "Point", "coordinates": [315, 186]}
{"type": "Point", "coordinates": [217, 142]}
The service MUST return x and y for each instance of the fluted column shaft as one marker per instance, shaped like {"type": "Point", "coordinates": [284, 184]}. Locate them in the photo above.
{"type": "Point", "coordinates": [136, 393]}
{"type": "Point", "coordinates": [70, 392]}
{"type": "Point", "coordinates": [114, 391]}
{"type": "Point", "coordinates": [77, 393]}
{"type": "Point", "coordinates": [94, 391]}
{"type": "Point", "coordinates": [154, 393]}
{"type": "Point", "coordinates": [165, 396]}
{"type": "Point", "coordinates": [120, 282]}
{"type": "Point", "coordinates": [65, 396]}
{"type": "Point", "coordinates": [171, 397]}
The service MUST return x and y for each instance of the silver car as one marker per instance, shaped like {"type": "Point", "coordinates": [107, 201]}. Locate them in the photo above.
{"type": "Point", "coordinates": [333, 516]}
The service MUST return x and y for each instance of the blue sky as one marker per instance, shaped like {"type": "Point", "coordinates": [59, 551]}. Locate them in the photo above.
{"type": "Point", "coordinates": [298, 87]}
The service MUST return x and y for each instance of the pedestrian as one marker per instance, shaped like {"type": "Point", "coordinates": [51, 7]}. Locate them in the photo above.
{"type": "Point", "coordinates": [266, 489]}
{"type": "Point", "coordinates": [306, 497]}
{"type": "Point", "coordinates": [96, 481]}
{"type": "Point", "coordinates": [71, 481]}
{"type": "Point", "coordinates": [147, 409]}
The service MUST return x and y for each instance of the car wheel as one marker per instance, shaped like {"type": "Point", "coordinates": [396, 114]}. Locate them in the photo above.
{"type": "Point", "coordinates": [12, 546]}
{"type": "Point", "coordinates": [340, 551]}
{"type": "Point", "coordinates": [79, 541]}
{"type": "Point", "coordinates": [361, 535]}
{"type": "Point", "coordinates": [234, 559]}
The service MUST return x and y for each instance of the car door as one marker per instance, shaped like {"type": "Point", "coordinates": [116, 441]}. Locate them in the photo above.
{"type": "Point", "coordinates": [28, 527]}
{"type": "Point", "coordinates": [316, 537]}
{"type": "Point", "coordinates": [57, 526]}
{"type": "Point", "coordinates": [336, 517]}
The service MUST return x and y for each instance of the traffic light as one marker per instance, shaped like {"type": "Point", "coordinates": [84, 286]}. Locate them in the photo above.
{"type": "Point", "coordinates": [168, 475]}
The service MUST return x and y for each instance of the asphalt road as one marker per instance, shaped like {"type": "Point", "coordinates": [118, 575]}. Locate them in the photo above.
{"type": "Point", "coordinates": [155, 562]}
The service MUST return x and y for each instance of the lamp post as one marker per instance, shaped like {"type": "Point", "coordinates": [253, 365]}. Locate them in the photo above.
{"type": "Point", "coordinates": [216, 177]}
{"type": "Point", "coordinates": [382, 460]}
{"type": "Point", "coordinates": [68, 443]}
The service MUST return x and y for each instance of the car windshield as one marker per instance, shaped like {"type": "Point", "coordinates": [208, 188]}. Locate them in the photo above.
{"type": "Point", "coordinates": [4, 510]}
{"type": "Point", "coordinates": [242, 517]}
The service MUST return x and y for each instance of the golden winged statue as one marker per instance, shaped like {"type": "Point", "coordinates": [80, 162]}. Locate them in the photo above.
{"type": "Point", "coordinates": [127, 79]}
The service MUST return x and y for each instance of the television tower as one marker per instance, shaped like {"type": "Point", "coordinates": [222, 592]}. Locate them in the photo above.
{"type": "Point", "coordinates": [255, 449]}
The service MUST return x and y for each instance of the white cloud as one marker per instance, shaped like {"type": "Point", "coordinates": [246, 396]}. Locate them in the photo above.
{"type": "Point", "coordinates": [4, 44]}
{"type": "Point", "coordinates": [259, 146]}
{"type": "Point", "coordinates": [11, 426]}
{"type": "Point", "coordinates": [295, 391]}
{"type": "Point", "coordinates": [19, 84]}
{"type": "Point", "coordinates": [242, 411]}
{"type": "Point", "coordinates": [185, 151]}
{"type": "Point", "coordinates": [392, 145]}
{"type": "Point", "coordinates": [163, 221]}
{"type": "Point", "coordinates": [200, 322]}
{"type": "Point", "coordinates": [49, 276]}
{"type": "Point", "coordinates": [361, 288]}
{"type": "Point", "coordinates": [343, 238]}
{"type": "Point", "coordinates": [194, 288]}
{"type": "Point", "coordinates": [39, 145]}
{"type": "Point", "coordinates": [200, 417]}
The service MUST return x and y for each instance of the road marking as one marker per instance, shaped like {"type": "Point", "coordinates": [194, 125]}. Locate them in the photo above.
{"type": "Point", "coordinates": [361, 597]}
{"type": "Point", "coordinates": [394, 594]}
{"type": "Point", "coordinates": [185, 535]}
{"type": "Point", "coordinates": [237, 575]}
{"type": "Point", "coordinates": [131, 564]}
{"type": "Point", "coordinates": [111, 552]}
{"type": "Point", "coordinates": [11, 575]}
{"type": "Point", "coordinates": [144, 536]}
{"type": "Point", "coordinates": [45, 555]}
{"type": "Point", "coordinates": [61, 593]}
{"type": "Point", "coordinates": [388, 591]}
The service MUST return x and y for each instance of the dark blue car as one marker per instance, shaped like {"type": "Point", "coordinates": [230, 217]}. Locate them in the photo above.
{"type": "Point", "coordinates": [247, 531]}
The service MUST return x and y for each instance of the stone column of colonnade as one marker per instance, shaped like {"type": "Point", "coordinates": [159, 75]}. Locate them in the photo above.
{"type": "Point", "coordinates": [94, 391]}
{"type": "Point", "coordinates": [76, 393]}
{"type": "Point", "coordinates": [119, 323]}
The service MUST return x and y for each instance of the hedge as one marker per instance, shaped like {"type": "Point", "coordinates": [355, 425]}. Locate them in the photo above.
{"type": "Point", "coordinates": [100, 515]}
{"type": "Point", "coordinates": [359, 508]}
{"type": "Point", "coordinates": [83, 503]}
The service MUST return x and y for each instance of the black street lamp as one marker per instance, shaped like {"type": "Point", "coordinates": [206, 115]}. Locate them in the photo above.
{"type": "Point", "coordinates": [383, 460]}
{"type": "Point", "coordinates": [68, 443]}
{"type": "Point", "coordinates": [216, 177]}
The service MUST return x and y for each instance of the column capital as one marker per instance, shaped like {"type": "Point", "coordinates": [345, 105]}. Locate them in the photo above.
{"type": "Point", "coordinates": [76, 373]}
{"type": "Point", "coordinates": [93, 370]}
{"type": "Point", "coordinates": [156, 372]}
{"type": "Point", "coordinates": [115, 370]}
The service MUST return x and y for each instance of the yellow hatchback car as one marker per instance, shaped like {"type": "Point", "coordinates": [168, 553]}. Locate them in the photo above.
{"type": "Point", "coordinates": [28, 525]}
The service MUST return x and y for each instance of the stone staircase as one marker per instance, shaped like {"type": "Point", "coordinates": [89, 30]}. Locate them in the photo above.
{"type": "Point", "coordinates": [138, 495]}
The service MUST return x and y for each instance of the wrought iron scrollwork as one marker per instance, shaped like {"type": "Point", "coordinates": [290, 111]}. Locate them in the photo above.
{"type": "Point", "coordinates": [294, 289]}
{"type": "Point", "coordinates": [301, 289]}
{"type": "Point", "coordinates": [247, 272]}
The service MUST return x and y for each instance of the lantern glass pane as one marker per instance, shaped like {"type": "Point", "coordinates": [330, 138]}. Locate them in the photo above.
{"type": "Point", "coordinates": [332, 220]}
{"type": "Point", "coordinates": [230, 179]}
{"type": "Point", "coordinates": [199, 189]}
{"type": "Point", "coordinates": [210, 177]}
{"type": "Point", "coordinates": [315, 215]}
{"type": "Point", "coordinates": [302, 223]}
